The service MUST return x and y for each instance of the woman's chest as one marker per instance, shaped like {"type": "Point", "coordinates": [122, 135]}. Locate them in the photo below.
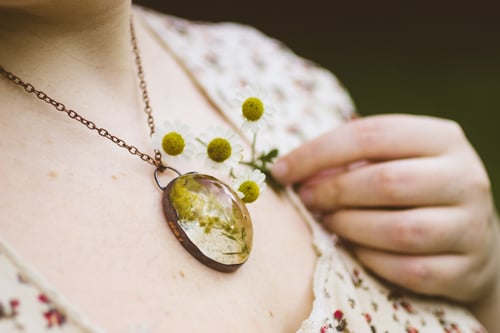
{"type": "Point", "coordinates": [97, 232]}
{"type": "Point", "coordinates": [88, 216]}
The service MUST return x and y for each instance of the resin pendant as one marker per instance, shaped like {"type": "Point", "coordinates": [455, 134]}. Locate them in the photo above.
{"type": "Point", "coordinates": [210, 220]}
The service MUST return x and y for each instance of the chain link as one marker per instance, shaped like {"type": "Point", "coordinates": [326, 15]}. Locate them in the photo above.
{"type": "Point", "coordinates": [155, 161]}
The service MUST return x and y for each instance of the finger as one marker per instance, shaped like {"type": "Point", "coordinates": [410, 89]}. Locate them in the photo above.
{"type": "Point", "coordinates": [323, 174]}
{"type": "Point", "coordinates": [431, 275]}
{"type": "Point", "coordinates": [413, 231]}
{"type": "Point", "coordinates": [399, 183]}
{"type": "Point", "coordinates": [371, 138]}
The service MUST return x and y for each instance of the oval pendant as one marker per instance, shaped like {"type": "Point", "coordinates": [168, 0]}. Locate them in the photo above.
{"type": "Point", "coordinates": [210, 220]}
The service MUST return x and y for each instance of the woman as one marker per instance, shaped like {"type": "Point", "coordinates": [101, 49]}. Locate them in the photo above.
{"type": "Point", "coordinates": [87, 216]}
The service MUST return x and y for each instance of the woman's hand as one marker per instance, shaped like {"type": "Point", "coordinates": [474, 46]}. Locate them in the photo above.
{"type": "Point", "coordinates": [412, 198]}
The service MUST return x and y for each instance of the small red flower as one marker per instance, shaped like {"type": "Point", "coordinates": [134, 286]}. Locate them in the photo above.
{"type": "Point", "coordinates": [54, 318]}
{"type": "Point", "coordinates": [453, 328]}
{"type": "Point", "coordinates": [411, 329]}
{"type": "Point", "coordinates": [407, 306]}
{"type": "Point", "coordinates": [42, 298]}
{"type": "Point", "coordinates": [14, 303]}
{"type": "Point", "coordinates": [338, 315]}
{"type": "Point", "coordinates": [368, 318]}
{"type": "Point", "coordinates": [324, 329]}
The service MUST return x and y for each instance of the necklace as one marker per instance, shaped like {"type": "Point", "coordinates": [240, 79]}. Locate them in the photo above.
{"type": "Point", "coordinates": [206, 216]}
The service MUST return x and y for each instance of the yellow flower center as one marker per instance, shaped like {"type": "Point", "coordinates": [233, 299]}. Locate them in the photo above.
{"type": "Point", "coordinates": [250, 191]}
{"type": "Point", "coordinates": [173, 143]}
{"type": "Point", "coordinates": [252, 109]}
{"type": "Point", "coordinates": [219, 150]}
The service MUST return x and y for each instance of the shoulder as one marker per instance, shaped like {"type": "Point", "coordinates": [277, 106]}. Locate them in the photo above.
{"type": "Point", "coordinates": [232, 44]}
{"type": "Point", "coordinates": [217, 33]}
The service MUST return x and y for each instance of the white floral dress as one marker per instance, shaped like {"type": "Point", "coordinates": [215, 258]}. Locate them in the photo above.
{"type": "Point", "coordinates": [219, 59]}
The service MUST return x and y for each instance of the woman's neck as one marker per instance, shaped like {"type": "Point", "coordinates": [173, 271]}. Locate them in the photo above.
{"type": "Point", "coordinates": [67, 39]}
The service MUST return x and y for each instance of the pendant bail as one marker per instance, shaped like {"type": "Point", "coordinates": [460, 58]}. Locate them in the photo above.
{"type": "Point", "coordinates": [160, 170]}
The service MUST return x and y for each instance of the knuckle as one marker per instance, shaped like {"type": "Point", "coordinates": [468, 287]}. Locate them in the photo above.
{"type": "Point", "coordinates": [391, 182]}
{"type": "Point", "coordinates": [454, 128]}
{"type": "Point", "coordinates": [475, 186]}
{"type": "Point", "coordinates": [417, 275]}
{"type": "Point", "coordinates": [408, 235]}
{"type": "Point", "coordinates": [481, 185]}
{"type": "Point", "coordinates": [366, 132]}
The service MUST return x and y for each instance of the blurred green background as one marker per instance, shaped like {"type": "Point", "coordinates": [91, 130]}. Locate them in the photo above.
{"type": "Point", "coordinates": [437, 58]}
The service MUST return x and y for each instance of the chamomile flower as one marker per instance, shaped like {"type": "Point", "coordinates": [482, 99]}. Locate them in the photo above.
{"type": "Point", "coordinates": [220, 148]}
{"type": "Point", "coordinates": [250, 185]}
{"type": "Point", "coordinates": [255, 107]}
{"type": "Point", "coordinates": [174, 141]}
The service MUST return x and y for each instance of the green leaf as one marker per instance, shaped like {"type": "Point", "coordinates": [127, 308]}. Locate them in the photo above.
{"type": "Point", "coordinates": [269, 157]}
{"type": "Point", "coordinates": [272, 154]}
{"type": "Point", "coordinates": [261, 164]}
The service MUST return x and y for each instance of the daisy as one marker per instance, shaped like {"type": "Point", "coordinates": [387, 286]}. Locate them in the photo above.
{"type": "Point", "coordinates": [174, 141]}
{"type": "Point", "coordinates": [220, 148]}
{"type": "Point", "coordinates": [250, 185]}
{"type": "Point", "coordinates": [256, 108]}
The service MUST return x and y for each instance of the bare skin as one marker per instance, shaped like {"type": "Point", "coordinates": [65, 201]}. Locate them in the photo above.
{"type": "Point", "coordinates": [87, 214]}
{"type": "Point", "coordinates": [413, 199]}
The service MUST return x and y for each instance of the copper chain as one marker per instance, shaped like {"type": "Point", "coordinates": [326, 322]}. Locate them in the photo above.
{"type": "Point", "coordinates": [155, 161]}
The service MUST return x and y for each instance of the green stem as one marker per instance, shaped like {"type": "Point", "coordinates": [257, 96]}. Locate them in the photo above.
{"type": "Point", "coordinates": [252, 164]}
{"type": "Point", "coordinates": [269, 178]}
{"type": "Point", "coordinates": [253, 146]}
{"type": "Point", "coordinates": [200, 141]}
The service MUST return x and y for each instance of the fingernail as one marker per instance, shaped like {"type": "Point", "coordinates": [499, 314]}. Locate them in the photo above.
{"type": "Point", "coordinates": [307, 196]}
{"type": "Point", "coordinates": [279, 169]}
